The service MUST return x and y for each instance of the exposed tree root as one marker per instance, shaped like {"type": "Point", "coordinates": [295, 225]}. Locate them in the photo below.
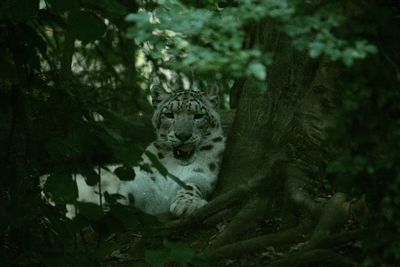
{"type": "Point", "coordinates": [240, 224]}
{"type": "Point", "coordinates": [257, 244]}
{"type": "Point", "coordinates": [319, 220]}
{"type": "Point", "coordinates": [327, 257]}
{"type": "Point", "coordinates": [297, 189]}
{"type": "Point", "coordinates": [219, 203]}
{"type": "Point", "coordinates": [238, 195]}
{"type": "Point", "coordinates": [324, 253]}
{"type": "Point", "coordinates": [342, 238]}
{"type": "Point", "coordinates": [327, 216]}
{"type": "Point", "coordinates": [333, 214]}
{"type": "Point", "coordinates": [220, 216]}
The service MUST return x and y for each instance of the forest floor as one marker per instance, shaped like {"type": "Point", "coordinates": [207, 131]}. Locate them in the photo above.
{"type": "Point", "coordinates": [129, 248]}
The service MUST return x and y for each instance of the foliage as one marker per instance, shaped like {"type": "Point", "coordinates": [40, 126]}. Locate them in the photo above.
{"type": "Point", "coordinates": [211, 40]}
{"type": "Point", "coordinates": [367, 134]}
{"type": "Point", "coordinates": [72, 80]}
{"type": "Point", "coordinates": [62, 120]}
{"type": "Point", "coordinates": [174, 252]}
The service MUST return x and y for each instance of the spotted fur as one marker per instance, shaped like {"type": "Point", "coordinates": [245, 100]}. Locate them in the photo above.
{"type": "Point", "coordinates": [189, 144]}
{"type": "Point", "coordinates": [180, 118]}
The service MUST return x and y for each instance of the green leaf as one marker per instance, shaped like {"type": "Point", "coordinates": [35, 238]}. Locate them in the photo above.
{"type": "Point", "coordinates": [179, 252]}
{"type": "Point", "coordinates": [163, 171]}
{"type": "Point", "coordinates": [92, 178]}
{"type": "Point", "coordinates": [133, 218]}
{"type": "Point", "coordinates": [114, 116]}
{"type": "Point", "coordinates": [50, 17]}
{"type": "Point", "coordinates": [19, 10]}
{"type": "Point", "coordinates": [157, 164]}
{"type": "Point", "coordinates": [263, 87]}
{"type": "Point", "coordinates": [142, 31]}
{"type": "Point", "coordinates": [348, 58]}
{"type": "Point", "coordinates": [125, 173]}
{"type": "Point", "coordinates": [85, 26]}
{"type": "Point", "coordinates": [128, 154]}
{"type": "Point", "coordinates": [61, 188]}
{"type": "Point", "coordinates": [111, 8]}
{"type": "Point", "coordinates": [141, 16]}
{"type": "Point", "coordinates": [258, 71]}
{"type": "Point", "coordinates": [315, 49]}
{"type": "Point", "coordinates": [156, 258]}
{"type": "Point", "coordinates": [112, 198]}
{"type": "Point", "coordinates": [62, 5]}
{"type": "Point", "coordinates": [112, 134]}
{"type": "Point", "coordinates": [90, 211]}
{"type": "Point", "coordinates": [62, 148]}
{"type": "Point", "coordinates": [369, 48]}
{"type": "Point", "coordinates": [199, 261]}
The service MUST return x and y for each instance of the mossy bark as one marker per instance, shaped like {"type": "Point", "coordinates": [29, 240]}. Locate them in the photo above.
{"type": "Point", "coordinates": [289, 118]}
{"type": "Point", "coordinates": [274, 150]}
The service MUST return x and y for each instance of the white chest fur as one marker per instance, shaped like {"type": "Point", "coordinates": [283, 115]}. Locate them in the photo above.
{"type": "Point", "coordinates": [189, 144]}
{"type": "Point", "coordinates": [154, 193]}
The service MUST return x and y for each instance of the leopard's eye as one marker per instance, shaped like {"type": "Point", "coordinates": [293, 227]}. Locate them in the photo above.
{"type": "Point", "coordinates": [198, 116]}
{"type": "Point", "coordinates": [169, 115]}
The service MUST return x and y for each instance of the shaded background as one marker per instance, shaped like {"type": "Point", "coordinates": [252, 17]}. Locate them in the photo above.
{"type": "Point", "coordinates": [328, 69]}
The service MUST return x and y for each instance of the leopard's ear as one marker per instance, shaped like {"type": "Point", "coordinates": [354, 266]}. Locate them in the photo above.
{"type": "Point", "coordinates": [158, 95]}
{"type": "Point", "coordinates": [212, 95]}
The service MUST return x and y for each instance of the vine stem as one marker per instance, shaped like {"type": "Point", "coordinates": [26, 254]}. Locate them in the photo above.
{"type": "Point", "coordinates": [100, 189]}
{"type": "Point", "coordinates": [68, 52]}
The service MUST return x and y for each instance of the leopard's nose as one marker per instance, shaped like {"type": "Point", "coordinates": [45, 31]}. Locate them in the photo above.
{"type": "Point", "coordinates": [183, 137]}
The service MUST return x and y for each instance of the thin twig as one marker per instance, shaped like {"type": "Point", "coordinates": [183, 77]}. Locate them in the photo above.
{"type": "Point", "coordinates": [68, 52]}
{"type": "Point", "coordinates": [100, 189]}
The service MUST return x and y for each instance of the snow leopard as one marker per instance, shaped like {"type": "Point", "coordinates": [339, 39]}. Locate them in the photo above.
{"type": "Point", "coordinates": [189, 143]}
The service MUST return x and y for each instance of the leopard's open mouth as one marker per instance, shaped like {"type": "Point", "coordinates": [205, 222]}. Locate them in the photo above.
{"type": "Point", "coordinates": [184, 152]}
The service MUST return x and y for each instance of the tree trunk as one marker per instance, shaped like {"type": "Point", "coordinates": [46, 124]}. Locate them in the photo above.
{"type": "Point", "coordinates": [287, 119]}
{"type": "Point", "coordinates": [273, 151]}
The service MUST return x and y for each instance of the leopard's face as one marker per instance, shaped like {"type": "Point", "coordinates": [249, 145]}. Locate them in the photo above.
{"type": "Point", "coordinates": [184, 120]}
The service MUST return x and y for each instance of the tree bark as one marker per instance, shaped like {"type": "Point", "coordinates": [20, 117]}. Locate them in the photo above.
{"type": "Point", "coordinates": [288, 119]}
{"type": "Point", "coordinates": [275, 143]}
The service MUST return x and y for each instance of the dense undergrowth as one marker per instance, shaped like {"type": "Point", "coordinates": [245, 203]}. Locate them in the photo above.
{"type": "Point", "coordinates": [63, 63]}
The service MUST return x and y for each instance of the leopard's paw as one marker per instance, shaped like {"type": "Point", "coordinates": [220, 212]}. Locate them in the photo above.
{"type": "Point", "coordinates": [184, 206]}
{"type": "Point", "coordinates": [187, 201]}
